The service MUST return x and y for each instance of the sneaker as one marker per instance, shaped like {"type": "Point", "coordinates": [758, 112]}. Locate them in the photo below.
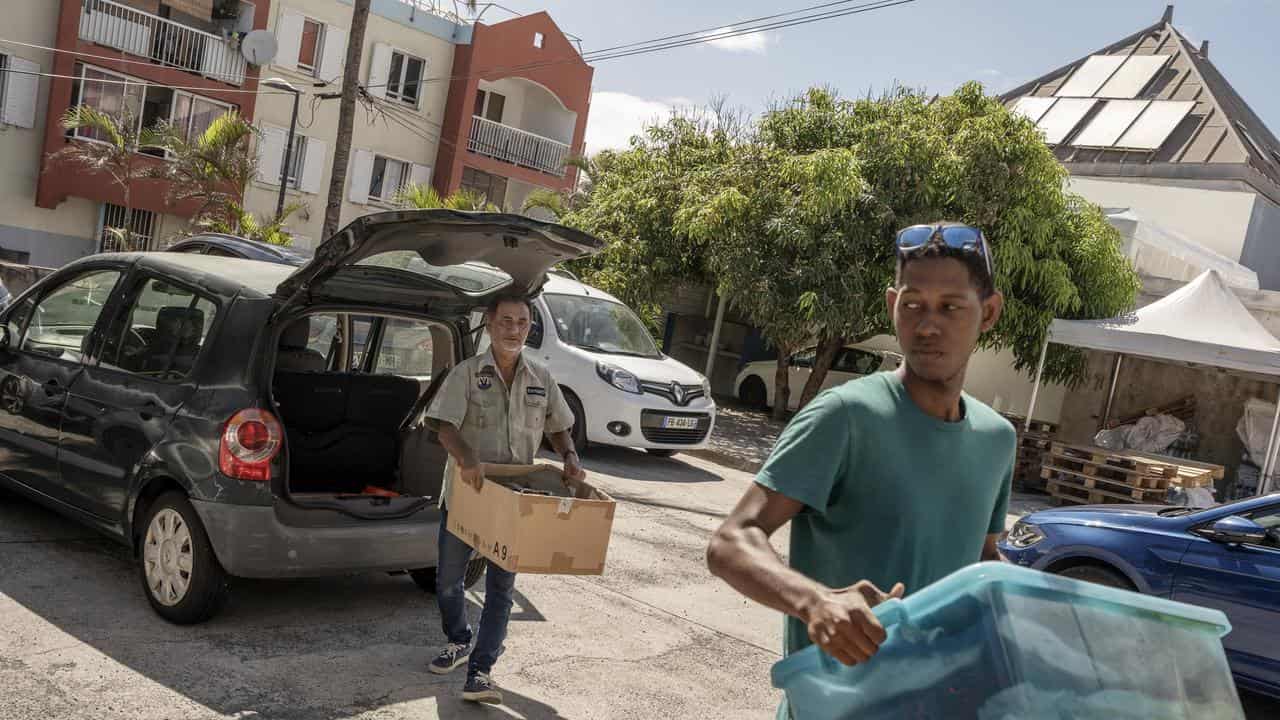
{"type": "Point", "coordinates": [450, 658]}
{"type": "Point", "coordinates": [480, 688]}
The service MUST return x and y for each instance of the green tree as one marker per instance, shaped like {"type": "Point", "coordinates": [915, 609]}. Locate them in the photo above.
{"type": "Point", "coordinates": [120, 139]}
{"type": "Point", "coordinates": [964, 157]}
{"type": "Point", "coordinates": [425, 197]}
{"type": "Point", "coordinates": [238, 221]}
{"type": "Point", "coordinates": [212, 168]}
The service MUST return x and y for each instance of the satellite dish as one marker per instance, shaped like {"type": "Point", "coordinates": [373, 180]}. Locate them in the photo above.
{"type": "Point", "coordinates": [259, 47]}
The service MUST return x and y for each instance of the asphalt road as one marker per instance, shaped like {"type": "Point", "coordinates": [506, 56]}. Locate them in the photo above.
{"type": "Point", "coordinates": [655, 637]}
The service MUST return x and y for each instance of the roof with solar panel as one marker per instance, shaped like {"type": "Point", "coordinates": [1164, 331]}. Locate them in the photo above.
{"type": "Point", "coordinates": [1151, 106]}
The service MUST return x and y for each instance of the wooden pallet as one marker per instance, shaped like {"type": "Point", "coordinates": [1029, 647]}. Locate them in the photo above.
{"type": "Point", "coordinates": [1071, 494]}
{"type": "Point", "coordinates": [1037, 426]}
{"type": "Point", "coordinates": [1107, 487]}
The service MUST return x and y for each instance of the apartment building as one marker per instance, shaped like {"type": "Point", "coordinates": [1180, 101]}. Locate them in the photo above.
{"type": "Point", "coordinates": [176, 60]}
{"type": "Point", "coordinates": [448, 102]}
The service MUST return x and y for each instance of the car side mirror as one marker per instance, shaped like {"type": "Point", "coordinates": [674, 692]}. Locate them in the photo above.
{"type": "Point", "coordinates": [1236, 530]}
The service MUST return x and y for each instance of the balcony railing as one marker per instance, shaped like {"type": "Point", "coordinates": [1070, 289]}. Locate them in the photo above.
{"type": "Point", "coordinates": [516, 146]}
{"type": "Point", "coordinates": [163, 41]}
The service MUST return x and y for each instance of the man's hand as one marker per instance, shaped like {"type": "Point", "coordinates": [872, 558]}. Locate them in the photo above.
{"type": "Point", "coordinates": [573, 467]}
{"type": "Point", "coordinates": [474, 475]}
{"type": "Point", "coordinates": [842, 624]}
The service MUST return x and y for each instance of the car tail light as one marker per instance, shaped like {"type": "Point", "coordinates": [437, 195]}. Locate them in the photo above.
{"type": "Point", "coordinates": [250, 441]}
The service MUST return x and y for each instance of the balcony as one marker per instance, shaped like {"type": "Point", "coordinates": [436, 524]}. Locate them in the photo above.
{"type": "Point", "coordinates": [516, 146]}
{"type": "Point", "coordinates": [163, 41]}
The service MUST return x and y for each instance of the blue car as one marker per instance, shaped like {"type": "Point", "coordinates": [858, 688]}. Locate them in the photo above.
{"type": "Point", "coordinates": [1226, 557]}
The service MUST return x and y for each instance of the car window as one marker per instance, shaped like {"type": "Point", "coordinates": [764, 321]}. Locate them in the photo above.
{"type": "Point", "coordinates": [405, 349]}
{"type": "Point", "coordinates": [60, 324]}
{"type": "Point", "coordinates": [864, 362]}
{"type": "Point", "coordinates": [192, 249]}
{"type": "Point", "coordinates": [161, 332]}
{"type": "Point", "coordinates": [803, 359]}
{"type": "Point", "coordinates": [1269, 519]}
{"type": "Point", "coordinates": [535, 329]}
{"type": "Point", "coordinates": [846, 361]}
{"type": "Point", "coordinates": [361, 330]}
{"type": "Point", "coordinates": [216, 251]}
{"type": "Point", "coordinates": [324, 328]}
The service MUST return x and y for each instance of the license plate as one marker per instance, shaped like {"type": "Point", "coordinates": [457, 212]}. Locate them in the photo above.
{"type": "Point", "coordinates": [679, 423]}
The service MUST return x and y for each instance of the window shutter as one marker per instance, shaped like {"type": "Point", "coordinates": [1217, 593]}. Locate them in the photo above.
{"type": "Point", "coordinates": [361, 176]}
{"type": "Point", "coordinates": [313, 165]}
{"type": "Point", "coordinates": [20, 91]}
{"type": "Point", "coordinates": [335, 53]}
{"type": "Point", "coordinates": [289, 38]}
{"type": "Point", "coordinates": [379, 69]}
{"type": "Point", "coordinates": [420, 174]}
{"type": "Point", "coordinates": [271, 154]}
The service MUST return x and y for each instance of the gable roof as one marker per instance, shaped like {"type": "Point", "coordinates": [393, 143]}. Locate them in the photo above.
{"type": "Point", "coordinates": [1221, 138]}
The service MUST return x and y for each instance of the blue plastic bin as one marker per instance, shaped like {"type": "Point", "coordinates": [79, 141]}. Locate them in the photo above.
{"type": "Point", "coordinates": [1000, 642]}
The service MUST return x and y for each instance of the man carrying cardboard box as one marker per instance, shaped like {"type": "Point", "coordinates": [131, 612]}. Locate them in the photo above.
{"type": "Point", "coordinates": [492, 408]}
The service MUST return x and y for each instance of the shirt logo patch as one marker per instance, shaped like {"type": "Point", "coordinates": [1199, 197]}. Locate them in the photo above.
{"type": "Point", "coordinates": [484, 382]}
{"type": "Point", "coordinates": [540, 392]}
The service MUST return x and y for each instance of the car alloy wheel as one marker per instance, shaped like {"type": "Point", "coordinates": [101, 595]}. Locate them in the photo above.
{"type": "Point", "coordinates": [168, 557]}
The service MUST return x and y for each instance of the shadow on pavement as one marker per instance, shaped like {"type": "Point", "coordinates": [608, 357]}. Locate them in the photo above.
{"type": "Point", "coordinates": [316, 649]}
{"type": "Point", "coordinates": [641, 466]}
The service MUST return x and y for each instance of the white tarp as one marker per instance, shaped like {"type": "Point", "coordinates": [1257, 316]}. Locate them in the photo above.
{"type": "Point", "coordinates": [1203, 323]}
{"type": "Point", "coordinates": [1162, 252]}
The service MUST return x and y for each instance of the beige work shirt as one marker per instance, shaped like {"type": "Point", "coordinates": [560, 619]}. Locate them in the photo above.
{"type": "Point", "coordinates": [501, 424]}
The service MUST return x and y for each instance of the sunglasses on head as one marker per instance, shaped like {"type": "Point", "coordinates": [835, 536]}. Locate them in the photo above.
{"type": "Point", "coordinates": [957, 237]}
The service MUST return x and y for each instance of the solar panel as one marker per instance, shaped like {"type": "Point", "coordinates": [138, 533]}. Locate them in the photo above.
{"type": "Point", "coordinates": [1090, 76]}
{"type": "Point", "coordinates": [1133, 76]}
{"type": "Point", "coordinates": [1155, 125]}
{"type": "Point", "coordinates": [1110, 123]}
{"type": "Point", "coordinates": [1033, 108]}
{"type": "Point", "coordinates": [1063, 117]}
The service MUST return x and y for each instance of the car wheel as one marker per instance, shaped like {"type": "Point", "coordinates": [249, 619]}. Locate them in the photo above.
{"type": "Point", "coordinates": [579, 431]}
{"type": "Point", "coordinates": [661, 452]}
{"type": "Point", "coordinates": [752, 393]}
{"type": "Point", "coordinates": [425, 578]}
{"type": "Point", "coordinates": [181, 576]}
{"type": "Point", "coordinates": [1098, 576]}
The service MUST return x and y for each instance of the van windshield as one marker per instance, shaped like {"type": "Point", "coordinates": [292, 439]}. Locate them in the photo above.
{"type": "Point", "coordinates": [600, 325]}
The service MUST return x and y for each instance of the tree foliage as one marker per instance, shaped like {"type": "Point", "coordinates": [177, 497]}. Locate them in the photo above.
{"type": "Point", "coordinates": [425, 197]}
{"type": "Point", "coordinates": [212, 168]}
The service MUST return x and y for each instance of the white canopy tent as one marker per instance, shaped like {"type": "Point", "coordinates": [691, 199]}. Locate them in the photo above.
{"type": "Point", "coordinates": [1202, 323]}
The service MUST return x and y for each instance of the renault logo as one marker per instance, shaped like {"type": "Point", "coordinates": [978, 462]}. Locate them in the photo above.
{"type": "Point", "coordinates": [677, 392]}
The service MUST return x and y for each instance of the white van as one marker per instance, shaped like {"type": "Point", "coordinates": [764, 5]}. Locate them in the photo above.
{"type": "Point", "coordinates": [621, 388]}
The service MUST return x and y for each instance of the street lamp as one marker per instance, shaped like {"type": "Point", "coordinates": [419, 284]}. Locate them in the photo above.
{"type": "Point", "coordinates": [282, 84]}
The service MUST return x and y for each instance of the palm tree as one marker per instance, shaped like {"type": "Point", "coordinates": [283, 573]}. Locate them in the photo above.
{"type": "Point", "coordinates": [213, 167]}
{"type": "Point", "coordinates": [238, 221]}
{"type": "Point", "coordinates": [561, 203]}
{"type": "Point", "coordinates": [425, 197]}
{"type": "Point", "coordinates": [116, 139]}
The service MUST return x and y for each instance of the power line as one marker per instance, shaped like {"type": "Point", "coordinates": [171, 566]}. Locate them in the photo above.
{"type": "Point", "coordinates": [138, 83]}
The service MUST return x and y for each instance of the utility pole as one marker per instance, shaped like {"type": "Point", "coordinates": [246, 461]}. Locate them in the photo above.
{"type": "Point", "coordinates": [346, 118]}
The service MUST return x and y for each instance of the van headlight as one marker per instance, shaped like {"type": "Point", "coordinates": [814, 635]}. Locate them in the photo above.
{"type": "Point", "coordinates": [1024, 535]}
{"type": "Point", "coordinates": [706, 387]}
{"type": "Point", "coordinates": [618, 378]}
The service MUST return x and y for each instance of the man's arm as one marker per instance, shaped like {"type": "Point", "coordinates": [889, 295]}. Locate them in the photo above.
{"type": "Point", "coordinates": [563, 445]}
{"type": "Point", "coordinates": [471, 468]}
{"type": "Point", "coordinates": [839, 621]}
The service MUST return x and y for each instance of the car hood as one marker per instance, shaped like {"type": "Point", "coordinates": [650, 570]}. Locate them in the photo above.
{"type": "Point", "coordinates": [1121, 515]}
{"type": "Point", "coordinates": [469, 255]}
{"type": "Point", "coordinates": [659, 370]}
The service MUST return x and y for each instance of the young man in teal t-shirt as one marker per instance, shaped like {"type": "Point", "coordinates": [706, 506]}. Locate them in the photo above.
{"type": "Point", "coordinates": [891, 481]}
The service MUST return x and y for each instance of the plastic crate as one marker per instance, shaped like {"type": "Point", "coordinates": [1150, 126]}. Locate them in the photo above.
{"type": "Point", "coordinates": [995, 641]}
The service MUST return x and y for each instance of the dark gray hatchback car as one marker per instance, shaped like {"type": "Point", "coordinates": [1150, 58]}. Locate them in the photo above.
{"type": "Point", "coordinates": [228, 417]}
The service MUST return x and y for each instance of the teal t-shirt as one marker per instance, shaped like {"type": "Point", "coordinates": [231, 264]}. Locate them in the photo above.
{"type": "Point", "coordinates": [891, 494]}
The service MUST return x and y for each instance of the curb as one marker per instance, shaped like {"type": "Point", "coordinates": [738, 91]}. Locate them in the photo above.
{"type": "Point", "coordinates": [727, 460]}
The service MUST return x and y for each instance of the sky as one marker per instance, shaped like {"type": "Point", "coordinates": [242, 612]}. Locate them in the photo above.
{"type": "Point", "coordinates": [934, 44]}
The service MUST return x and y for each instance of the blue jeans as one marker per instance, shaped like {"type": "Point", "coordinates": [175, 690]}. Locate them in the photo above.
{"type": "Point", "coordinates": [454, 555]}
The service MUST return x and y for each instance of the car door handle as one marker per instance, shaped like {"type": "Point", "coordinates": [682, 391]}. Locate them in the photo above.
{"type": "Point", "coordinates": [148, 410]}
{"type": "Point", "coordinates": [53, 387]}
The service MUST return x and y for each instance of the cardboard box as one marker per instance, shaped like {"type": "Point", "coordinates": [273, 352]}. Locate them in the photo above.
{"type": "Point", "coordinates": [563, 532]}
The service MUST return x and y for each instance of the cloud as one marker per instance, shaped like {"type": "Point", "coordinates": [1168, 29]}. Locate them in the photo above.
{"type": "Point", "coordinates": [756, 42]}
{"type": "Point", "coordinates": [616, 116]}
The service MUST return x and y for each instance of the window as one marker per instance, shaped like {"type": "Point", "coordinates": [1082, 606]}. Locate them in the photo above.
{"type": "Point", "coordinates": [405, 349]}
{"type": "Point", "coordinates": [162, 333]}
{"type": "Point", "coordinates": [141, 225]}
{"type": "Point", "coordinates": [599, 325]}
{"type": "Point", "coordinates": [537, 40]}
{"type": "Point", "coordinates": [324, 330]}
{"type": "Point", "coordinates": [867, 363]}
{"type": "Point", "coordinates": [361, 330]}
{"type": "Point", "coordinates": [311, 49]}
{"type": "Point", "coordinates": [296, 159]}
{"type": "Point", "coordinates": [405, 78]}
{"type": "Point", "coordinates": [4, 65]}
{"type": "Point", "coordinates": [489, 105]}
{"type": "Point", "coordinates": [492, 187]}
{"type": "Point", "coordinates": [803, 359]}
{"type": "Point", "coordinates": [389, 177]}
{"type": "Point", "coordinates": [1269, 519]}
{"type": "Point", "coordinates": [150, 104]}
{"type": "Point", "coordinates": [62, 322]}
{"type": "Point", "coordinates": [535, 329]}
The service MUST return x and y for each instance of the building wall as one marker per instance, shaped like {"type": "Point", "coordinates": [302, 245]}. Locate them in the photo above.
{"type": "Point", "coordinates": [1217, 219]}
{"type": "Point", "coordinates": [1262, 246]}
{"type": "Point", "coordinates": [379, 135]}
